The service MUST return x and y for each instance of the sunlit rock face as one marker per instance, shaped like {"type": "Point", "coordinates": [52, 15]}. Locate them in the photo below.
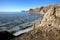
{"type": "Point", "coordinates": [52, 17]}
{"type": "Point", "coordinates": [43, 10]}
{"type": "Point", "coordinates": [49, 29]}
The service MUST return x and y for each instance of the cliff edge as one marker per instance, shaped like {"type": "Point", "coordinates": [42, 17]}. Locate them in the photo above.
{"type": "Point", "coordinates": [49, 29]}
{"type": "Point", "coordinates": [41, 10]}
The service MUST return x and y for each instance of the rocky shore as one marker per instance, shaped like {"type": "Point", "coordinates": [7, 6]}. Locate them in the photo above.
{"type": "Point", "coordinates": [49, 29]}
{"type": "Point", "coordinates": [41, 10]}
{"type": "Point", "coordinates": [4, 35]}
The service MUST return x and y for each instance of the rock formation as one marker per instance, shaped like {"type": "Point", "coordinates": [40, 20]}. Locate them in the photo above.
{"type": "Point", "coordinates": [49, 29]}
{"type": "Point", "coordinates": [41, 10]}
{"type": "Point", "coordinates": [4, 35]}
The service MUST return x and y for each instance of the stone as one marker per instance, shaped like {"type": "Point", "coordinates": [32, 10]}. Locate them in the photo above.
{"type": "Point", "coordinates": [4, 35]}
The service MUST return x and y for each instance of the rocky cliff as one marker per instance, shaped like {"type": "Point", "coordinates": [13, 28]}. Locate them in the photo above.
{"type": "Point", "coordinates": [49, 29]}
{"type": "Point", "coordinates": [41, 10]}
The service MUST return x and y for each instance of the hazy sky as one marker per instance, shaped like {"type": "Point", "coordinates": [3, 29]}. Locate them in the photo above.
{"type": "Point", "coordinates": [18, 5]}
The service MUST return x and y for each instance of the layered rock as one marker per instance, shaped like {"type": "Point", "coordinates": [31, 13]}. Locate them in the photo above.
{"type": "Point", "coordinates": [37, 10]}
{"type": "Point", "coordinates": [41, 10]}
{"type": "Point", "coordinates": [52, 17]}
{"type": "Point", "coordinates": [49, 29]}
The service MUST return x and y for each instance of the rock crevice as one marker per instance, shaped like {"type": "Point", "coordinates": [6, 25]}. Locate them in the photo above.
{"type": "Point", "coordinates": [49, 29]}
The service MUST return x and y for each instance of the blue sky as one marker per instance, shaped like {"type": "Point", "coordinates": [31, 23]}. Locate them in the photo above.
{"type": "Point", "coordinates": [18, 5]}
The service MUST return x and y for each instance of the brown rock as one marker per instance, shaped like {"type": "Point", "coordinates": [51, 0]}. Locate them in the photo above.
{"type": "Point", "coordinates": [49, 29]}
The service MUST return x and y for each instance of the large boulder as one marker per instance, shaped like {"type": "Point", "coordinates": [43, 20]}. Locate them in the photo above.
{"type": "Point", "coordinates": [4, 35]}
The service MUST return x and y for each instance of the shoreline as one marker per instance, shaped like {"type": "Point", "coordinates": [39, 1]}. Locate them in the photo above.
{"type": "Point", "coordinates": [22, 31]}
{"type": "Point", "coordinates": [38, 13]}
{"type": "Point", "coordinates": [27, 29]}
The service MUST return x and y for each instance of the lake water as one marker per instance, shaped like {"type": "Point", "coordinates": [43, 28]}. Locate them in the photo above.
{"type": "Point", "coordinates": [15, 21]}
